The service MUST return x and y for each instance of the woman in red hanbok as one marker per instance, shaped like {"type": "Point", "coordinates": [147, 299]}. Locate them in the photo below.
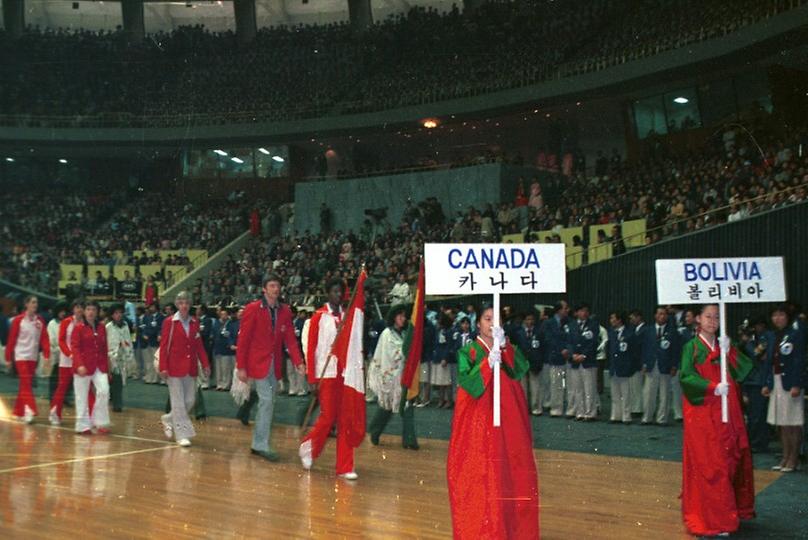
{"type": "Point", "coordinates": [493, 485]}
{"type": "Point", "coordinates": [717, 485]}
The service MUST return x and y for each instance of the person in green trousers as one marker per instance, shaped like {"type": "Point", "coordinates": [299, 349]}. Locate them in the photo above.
{"type": "Point", "coordinates": [384, 379]}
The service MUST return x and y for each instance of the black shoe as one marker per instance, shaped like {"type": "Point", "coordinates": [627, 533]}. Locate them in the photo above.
{"type": "Point", "coordinates": [268, 455]}
{"type": "Point", "coordinates": [413, 446]}
{"type": "Point", "coordinates": [117, 409]}
{"type": "Point", "coordinates": [374, 439]}
{"type": "Point", "coordinates": [243, 419]}
{"type": "Point", "coordinates": [201, 416]}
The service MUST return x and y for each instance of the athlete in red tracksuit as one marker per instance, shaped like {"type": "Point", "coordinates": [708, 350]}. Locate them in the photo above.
{"type": "Point", "coordinates": [27, 338]}
{"type": "Point", "coordinates": [65, 362]}
{"type": "Point", "coordinates": [318, 337]}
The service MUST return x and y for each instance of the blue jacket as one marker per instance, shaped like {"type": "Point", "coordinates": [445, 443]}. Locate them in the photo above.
{"type": "Point", "coordinates": [532, 347]}
{"type": "Point", "coordinates": [556, 340]}
{"type": "Point", "coordinates": [661, 351]}
{"type": "Point", "coordinates": [622, 352]}
{"type": "Point", "coordinates": [152, 325]}
{"type": "Point", "coordinates": [206, 330]}
{"type": "Point", "coordinates": [584, 342]}
{"type": "Point", "coordinates": [791, 347]}
{"type": "Point", "coordinates": [457, 339]}
{"type": "Point", "coordinates": [640, 342]}
{"type": "Point", "coordinates": [444, 347]}
{"type": "Point", "coordinates": [757, 377]}
{"type": "Point", "coordinates": [224, 337]}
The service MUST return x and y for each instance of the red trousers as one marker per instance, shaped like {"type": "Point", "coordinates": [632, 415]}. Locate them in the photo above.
{"type": "Point", "coordinates": [65, 378]}
{"type": "Point", "coordinates": [25, 396]}
{"type": "Point", "coordinates": [329, 394]}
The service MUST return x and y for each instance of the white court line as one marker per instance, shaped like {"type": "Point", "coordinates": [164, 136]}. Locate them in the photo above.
{"type": "Point", "coordinates": [65, 428]}
{"type": "Point", "coordinates": [77, 460]}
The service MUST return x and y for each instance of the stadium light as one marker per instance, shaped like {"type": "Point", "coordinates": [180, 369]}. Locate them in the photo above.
{"type": "Point", "coordinates": [62, 160]}
{"type": "Point", "coordinates": [264, 151]}
{"type": "Point", "coordinates": [430, 123]}
{"type": "Point", "coordinates": [10, 159]}
{"type": "Point", "coordinates": [279, 159]}
{"type": "Point", "coordinates": [681, 100]}
{"type": "Point", "coordinates": [237, 160]}
{"type": "Point", "coordinates": [220, 152]}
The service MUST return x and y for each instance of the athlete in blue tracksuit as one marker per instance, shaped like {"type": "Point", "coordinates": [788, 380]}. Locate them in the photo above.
{"type": "Point", "coordinates": [557, 352]}
{"type": "Point", "coordinates": [528, 338]}
{"type": "Point", "coordinates": [660, 343]}
{"type": "Point", "coordinates": [582, 367]}
{"type": "Point", "coordinates": [622, 354]}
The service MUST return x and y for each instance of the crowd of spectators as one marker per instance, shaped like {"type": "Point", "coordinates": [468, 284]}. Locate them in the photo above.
{"type": "Point", "coordinates": [676, 195]}
{"type": "Point", "coordinates": [308, 71]}
{"type": "Point", "coordinates": [42, 229]}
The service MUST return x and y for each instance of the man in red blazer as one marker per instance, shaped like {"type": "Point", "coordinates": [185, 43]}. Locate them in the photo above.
{"type": "Point", "coordinates": [266, 327]}
{"type": "Point", "coordinates": [181, 349]}
{"type": "Point", "coordinates": [88, 344]}
{"type": "Point", "coordinates": [27, 338]}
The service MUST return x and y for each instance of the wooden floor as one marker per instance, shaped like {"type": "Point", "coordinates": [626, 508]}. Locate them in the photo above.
{"type": "Point", "coordinates": [133, 484]}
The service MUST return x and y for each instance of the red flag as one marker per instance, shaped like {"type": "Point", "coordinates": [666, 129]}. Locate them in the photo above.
{"type": "Point", "coordinates": [414, 342]}
{"type": "Point", "coordinates": [347, 349]}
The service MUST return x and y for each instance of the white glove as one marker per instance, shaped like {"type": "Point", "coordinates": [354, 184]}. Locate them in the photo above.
{"type": "Point", "coordinates": [499, 335]}
{"type": "Point", "coordinates": [725, 343]}
{"type": "Point", "coordinates": [722, 389]}
{"type": "Point", "coordinates": [494, 357]}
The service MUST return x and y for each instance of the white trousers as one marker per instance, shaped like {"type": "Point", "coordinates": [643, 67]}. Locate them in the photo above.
{"type": "Point", "coordinates": [656, 385]}
{"type": "Point", "coordinates": [149, 375]}
{"type": "Point", "coordinates": [575, 392]}
{"type": "Point", "coordinates": [534, 385]}
{"type": "Point", "coordinates": [676, 398]}
{"type": "Point", "coordinates": [621, 391]}
{"type": "Point", "coordinates": [635, 394]}
{"type": "Point", "coordinates": [590, 398]}
{"type": "Point", "coordinates": [100, 415]}
{"type": "Point", "coordinates": [544, 383]}
{"type": "Point", "coordinates": [557, 390]}
{"type": "Point", "coordinates": [225, 363]}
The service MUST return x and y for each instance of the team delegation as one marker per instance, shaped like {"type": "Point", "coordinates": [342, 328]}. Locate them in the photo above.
{"type": "Point", "coordinates": [666, 366]}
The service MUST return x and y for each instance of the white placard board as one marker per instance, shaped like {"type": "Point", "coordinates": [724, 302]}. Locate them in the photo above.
{"type": "Point", "coordinates": [495, 268]}
{"type": "Point", "coordinates": [732, 281]}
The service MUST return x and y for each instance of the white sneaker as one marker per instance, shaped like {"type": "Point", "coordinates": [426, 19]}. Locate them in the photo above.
{"type": "Point", "coordinates": [168, 429]}
{"type": "Point", "coordinates": [54, 418]}
{"type": "Point", "coordinates": [184, 442]}
{"type": "Point", "coordinates": [349, 475]}
{"type": "Point", "coordinates": [303, 393]}
{"type": "Point", "coordinates": [536, 412]}
{"type": "Point", "coordinates": [29, 415]}
{"type": "Point", "coordinates": [305, 454]}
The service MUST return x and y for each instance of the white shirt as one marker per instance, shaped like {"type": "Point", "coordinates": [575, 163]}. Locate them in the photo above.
{"type": "Point", "coordinates": [64, 360]}
{"type": "Point", "coordinates": [27, 346]}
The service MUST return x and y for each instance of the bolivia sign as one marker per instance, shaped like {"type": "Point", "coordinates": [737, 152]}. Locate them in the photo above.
{"type": "Point", "coordinates": [735, 280]}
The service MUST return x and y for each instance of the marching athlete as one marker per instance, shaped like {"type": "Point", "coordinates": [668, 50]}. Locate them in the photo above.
{"type": "Point", "coordinates": [181, 351]}
{"type": "Point", "coordinates": [325, 375]}
{"type": "Point", "coordinates": [88, 346]}
{"type": "Point", "coordinates": [27, 339]}
{"type": "Point", "coordinates": [66, 328]}
{"type": "Point", "coordinates": [266, 327]}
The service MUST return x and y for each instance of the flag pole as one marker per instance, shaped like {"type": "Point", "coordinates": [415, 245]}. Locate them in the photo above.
{"type": "Point", "coordinates": [722, 314]}
{"type": "Point", "coordinates": [497, 345]}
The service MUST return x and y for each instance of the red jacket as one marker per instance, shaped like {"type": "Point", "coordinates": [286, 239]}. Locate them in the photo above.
{"type": "Point", "coordinates": [181, 359]}
{"type": "Point", "coordinates": [14, 334]}
{"type": "Point", "coordinates": [260, 344]}
{"type": "Point", "coordinates": [89, 348]}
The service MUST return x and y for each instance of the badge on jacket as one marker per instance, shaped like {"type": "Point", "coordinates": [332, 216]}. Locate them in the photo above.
{"type": "Point", "coordinates": [786, 348]}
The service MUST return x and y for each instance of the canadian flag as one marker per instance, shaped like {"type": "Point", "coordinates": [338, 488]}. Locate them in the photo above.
{"type": "Point", "coordinates": [347, 349]}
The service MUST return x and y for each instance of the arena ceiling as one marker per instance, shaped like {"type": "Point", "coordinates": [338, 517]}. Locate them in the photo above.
{"type": "Point", "coordinates": [215, 15]}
